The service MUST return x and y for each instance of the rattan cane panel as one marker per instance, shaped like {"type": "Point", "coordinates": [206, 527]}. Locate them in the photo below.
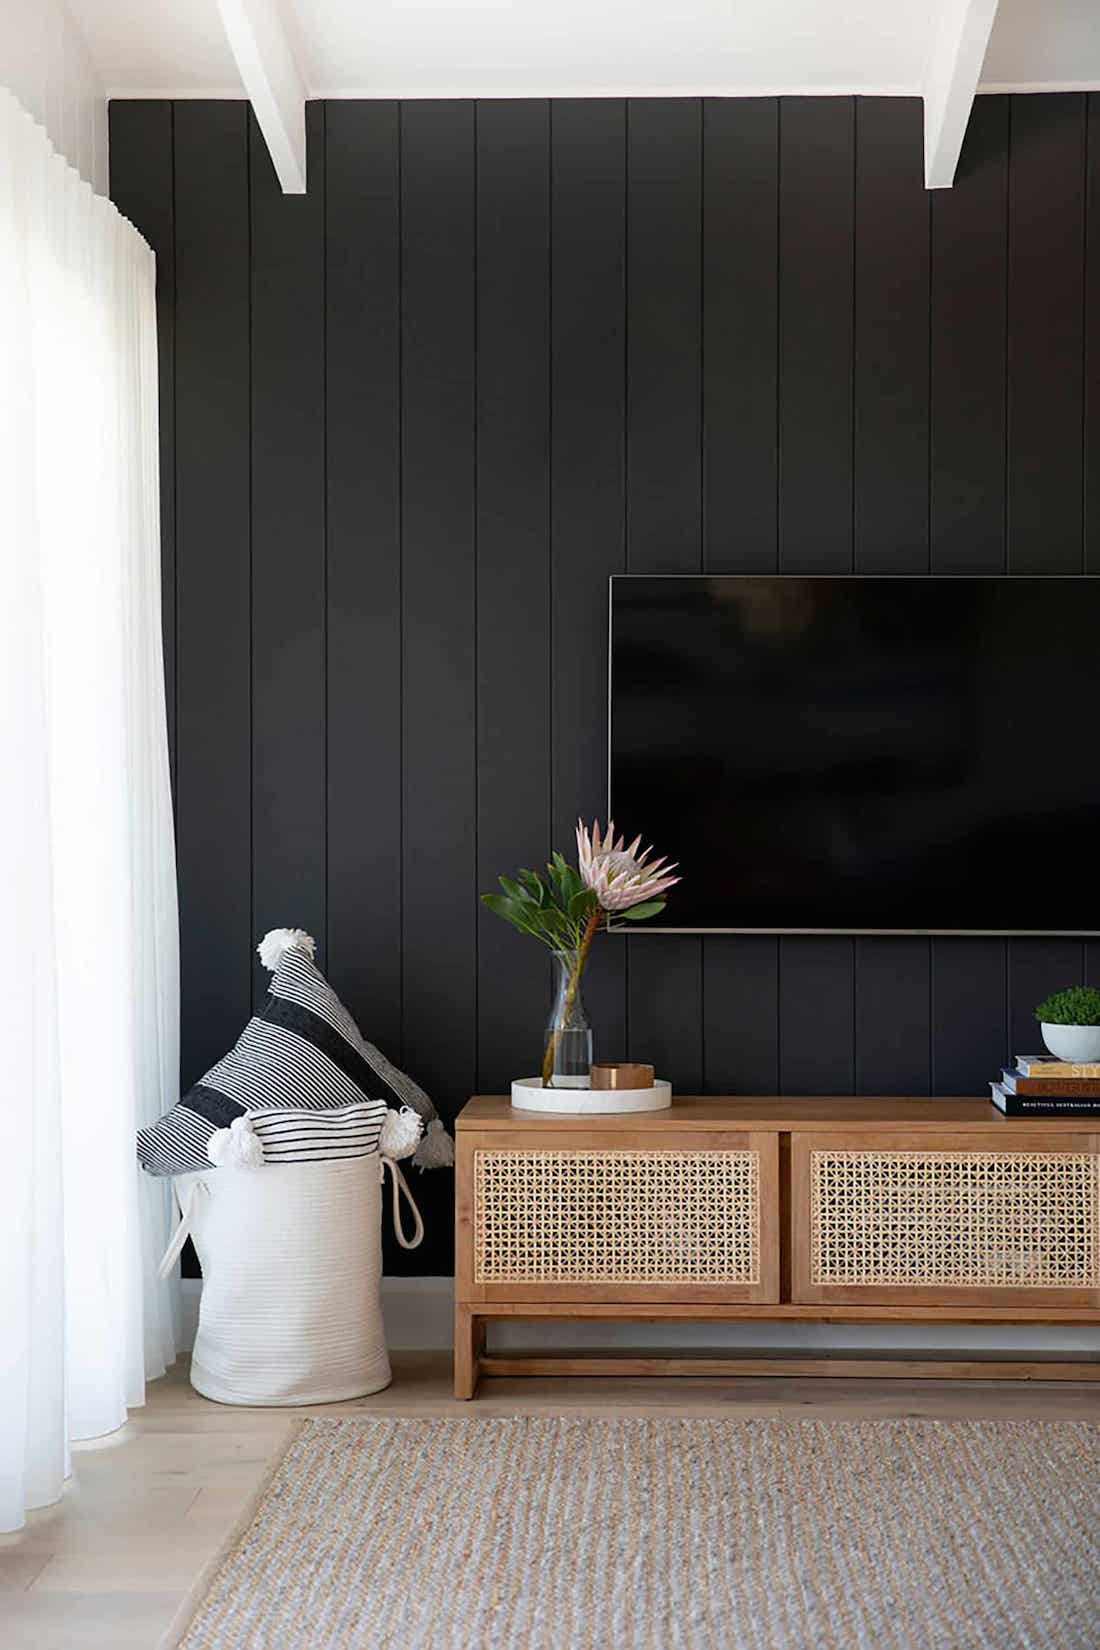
{"type": "Point", "coordinates": [955, 1219]}
{"type": "Point", "coordinates": [617, 1217]}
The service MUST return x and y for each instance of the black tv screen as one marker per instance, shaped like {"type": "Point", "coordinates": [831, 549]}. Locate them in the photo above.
{"type": "Point", "coordinates": [898, 755]}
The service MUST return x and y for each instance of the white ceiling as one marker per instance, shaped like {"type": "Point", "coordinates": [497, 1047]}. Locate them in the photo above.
{"type": "Point", "coordinates": [535, 48]}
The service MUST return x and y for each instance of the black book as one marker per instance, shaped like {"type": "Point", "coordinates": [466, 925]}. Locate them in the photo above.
{"type": "Point", "coordinates": [1041, 1105]}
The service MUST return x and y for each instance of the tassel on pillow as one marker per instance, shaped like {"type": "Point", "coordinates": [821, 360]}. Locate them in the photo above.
{"type": "Point", "coordinates": [437, 1149]}
{"type": "Point", "coordinates": [400, 1133]}
{"type": "Point", "coordinates": [237, 1147]}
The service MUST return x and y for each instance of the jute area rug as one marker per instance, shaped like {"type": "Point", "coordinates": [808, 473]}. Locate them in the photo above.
{"type": "Point", "coordinates": [536, 1533]}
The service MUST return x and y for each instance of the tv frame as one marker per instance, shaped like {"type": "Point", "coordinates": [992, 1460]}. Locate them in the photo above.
{"type": "Point", "coordinates": [639, 928]}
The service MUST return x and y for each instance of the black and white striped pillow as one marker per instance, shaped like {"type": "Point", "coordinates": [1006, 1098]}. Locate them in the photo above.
{"type": "Point", "coordinates": [288, 1135]}
{"type": "Point", "coordinates": [303, 1052]}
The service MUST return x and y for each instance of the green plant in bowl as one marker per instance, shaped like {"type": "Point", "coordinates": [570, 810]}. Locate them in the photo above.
{"type": "Point", "coordinates": [1070, 1023]}
{"type": "Point", "coordinates": [1078, 1005]}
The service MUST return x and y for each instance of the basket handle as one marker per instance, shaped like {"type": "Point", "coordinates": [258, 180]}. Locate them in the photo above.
{"type": "Point", "coordinates": [183, 1227]}
{"type": "Point", "coordinates": [401, 1190]}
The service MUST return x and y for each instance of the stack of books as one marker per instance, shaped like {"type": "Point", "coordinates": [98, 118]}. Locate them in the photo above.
{"type": "Point", "coordinates": [1041, 1086]}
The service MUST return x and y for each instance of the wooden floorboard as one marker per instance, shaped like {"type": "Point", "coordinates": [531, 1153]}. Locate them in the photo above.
{"type": "Point", "coordinates": [106, 1568]}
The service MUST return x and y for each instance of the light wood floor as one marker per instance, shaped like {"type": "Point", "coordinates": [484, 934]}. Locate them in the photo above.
{"type": "Point", "coordinates": [108, 1566]}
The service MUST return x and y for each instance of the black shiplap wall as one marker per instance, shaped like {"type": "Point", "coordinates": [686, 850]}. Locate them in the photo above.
{"type": "Point", "coordinates": [410, 423]}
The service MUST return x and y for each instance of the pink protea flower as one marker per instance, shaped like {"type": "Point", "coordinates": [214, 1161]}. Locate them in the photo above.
{"type": "Point", "coordinates": [620, 877]}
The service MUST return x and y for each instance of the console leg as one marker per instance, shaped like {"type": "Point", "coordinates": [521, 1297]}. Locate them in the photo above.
{"type": "Point", "coordinates": [469, 1345]}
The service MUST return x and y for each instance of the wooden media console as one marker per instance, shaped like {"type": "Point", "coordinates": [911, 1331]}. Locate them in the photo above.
{"type": "Point", "coordinates": [830, 1210]}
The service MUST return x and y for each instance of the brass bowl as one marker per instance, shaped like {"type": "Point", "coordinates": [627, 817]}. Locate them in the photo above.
{"type": "Point", "coordinates": [621, 1074]}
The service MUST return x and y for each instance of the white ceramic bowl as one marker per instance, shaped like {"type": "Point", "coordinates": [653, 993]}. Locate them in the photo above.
{"type": "Point", "coordinates": [1077, 1043]}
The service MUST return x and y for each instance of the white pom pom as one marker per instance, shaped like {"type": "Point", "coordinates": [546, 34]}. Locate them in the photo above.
{"type": "Point", "coordinates": [437, 1149]}
{"type": "Point", "coordinates": [237, 1147]}
{"type": "Point", "coordinates": [279, 940]}
{"type": "Point", "coordinates": [401, 1133]}
{"type": "Point", "coordinates": [217, 1147]}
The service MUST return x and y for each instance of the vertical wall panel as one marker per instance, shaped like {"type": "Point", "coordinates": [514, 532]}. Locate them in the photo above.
{"type": "Point", "coordinates": [142, 189]}
{"type": "Point", "coordinates": [666, 980]}
{"type": "Point", "coordinates": [663, 380]}
{"type": "Point", "coordinates": [816, 213]}
{"type": "Point", "coordinates": [1092, 393]}
{"type": "Point", "coordinates": [741, 1014]}
{"type": "Point", "coordinates": [892, 1030]}
{"type": "Point", "coordinates": [513, 567]}
{"type": "Point", "coordinates": [969, 230]}
{"type": "Point", "coordinates": [587, 497]}
{"type": "Point", "coordinates": [969, 1014]}
{"type": "Point", "coordinates": [740, 339]}
{"type": "Point", "coordinates": [213, 683]}
{"type": "Point", "coordinates": [893, 1015]}
{"type": "Point", "coordinates": [891, 338]}
{"type": "Point", "coordinates": [439, 606]}
{"type": "Point", "coordinates": [664, 493]}
{"type": "Point", "coordinates": [363, 564]}
{"type": "Point", "coordinates": [288, 548]}
{"type": "Point", "coordinates": [1045, 337]}
{"type": "Point", "coordinates": [816, 1034]}
{"type": "Point", "coordinates": [1091, 387]}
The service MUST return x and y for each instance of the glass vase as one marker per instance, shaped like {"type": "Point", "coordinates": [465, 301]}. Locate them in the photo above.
{"type": "Point", "coordinates": [567, 1057]}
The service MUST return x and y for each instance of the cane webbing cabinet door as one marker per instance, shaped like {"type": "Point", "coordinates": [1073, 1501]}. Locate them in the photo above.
{"type": "Point", "coordinates": [946, 1219]}
{"type": "Point", "coordinates": [619, 1217]}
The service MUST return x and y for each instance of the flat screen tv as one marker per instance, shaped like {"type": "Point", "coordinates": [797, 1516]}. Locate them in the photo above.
{"type": "Point", "coordinates": [862, 755]}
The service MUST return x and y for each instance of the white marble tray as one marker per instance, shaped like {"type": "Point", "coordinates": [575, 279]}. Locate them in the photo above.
{"type": "Point", "coordinates": [528, 1094]}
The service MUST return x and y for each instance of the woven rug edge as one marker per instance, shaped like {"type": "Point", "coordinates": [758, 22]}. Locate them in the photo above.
{"type": "Point", "coordinates": [200, 1587]}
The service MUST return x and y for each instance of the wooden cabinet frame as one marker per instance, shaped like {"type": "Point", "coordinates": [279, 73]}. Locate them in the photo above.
{"type": "Point", "coordinates": [783, 1134]}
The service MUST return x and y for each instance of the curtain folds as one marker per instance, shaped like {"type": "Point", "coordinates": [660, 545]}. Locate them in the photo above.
{"type": "Point", "coordinates": [89, 955]}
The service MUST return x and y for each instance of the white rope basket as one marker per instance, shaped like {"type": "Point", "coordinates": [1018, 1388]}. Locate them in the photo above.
{"type": "Point", "coordinates": [291, 1257]}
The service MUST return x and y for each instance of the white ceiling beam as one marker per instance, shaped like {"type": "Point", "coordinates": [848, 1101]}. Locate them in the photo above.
{"type": "Point", "coordinates": [958, 51]}
{"type": "Point", "coordinates": [270, 73]}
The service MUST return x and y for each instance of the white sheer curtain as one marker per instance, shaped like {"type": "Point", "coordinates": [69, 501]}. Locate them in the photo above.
{"type": "Point", "coordinates": [88, 931]}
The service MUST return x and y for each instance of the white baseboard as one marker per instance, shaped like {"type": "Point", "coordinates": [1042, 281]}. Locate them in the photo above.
{"type": "Point", "coordinates": [418, 1313]}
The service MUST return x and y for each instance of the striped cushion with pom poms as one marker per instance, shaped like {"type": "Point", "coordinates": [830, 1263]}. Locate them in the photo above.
{"type": "Point", "coordinates": [302, 1052]}
{"type": "Point", "coordinates": [285, 1134]}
